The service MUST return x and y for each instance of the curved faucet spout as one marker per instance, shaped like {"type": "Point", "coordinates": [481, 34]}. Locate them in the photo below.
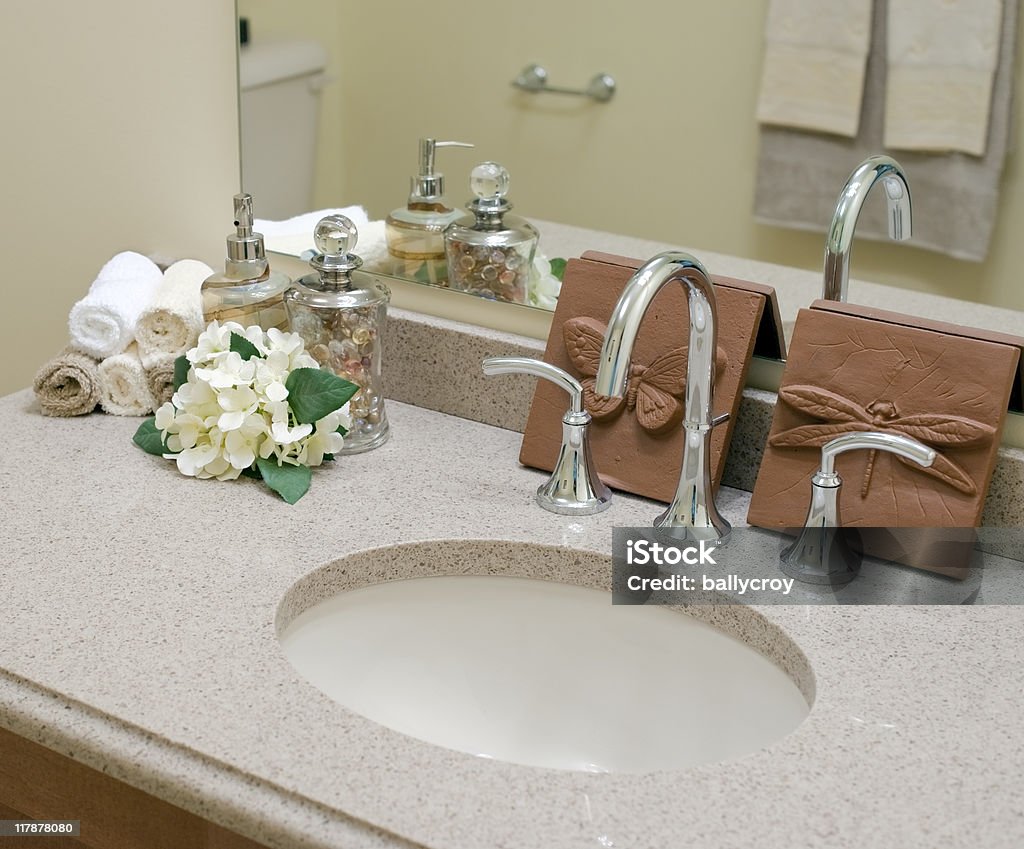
{"type": "Point", "coordinates": [848, 206]}
{"type": "Point", "coordinates": [693, 513]}
{"type": "Point", "coordinates": [613, 369]}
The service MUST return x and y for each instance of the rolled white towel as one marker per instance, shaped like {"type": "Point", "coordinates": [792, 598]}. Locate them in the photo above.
{"type": "Point", "coordinates": [124, 390]}
{"type": "Point", "coordinates": [103, 322]}
{"type": "Point", "coordinates": [172, 322]}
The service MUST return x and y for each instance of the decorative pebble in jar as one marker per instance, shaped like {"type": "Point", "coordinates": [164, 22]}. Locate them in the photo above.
{"type": "Point", "coordinates": [341, 326]}
{"type": "Point", "coordinates": [490, 253]}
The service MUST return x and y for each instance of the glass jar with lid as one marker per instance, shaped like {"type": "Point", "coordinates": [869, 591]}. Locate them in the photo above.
{"type": "Point", "coordinates": [490, 252]}
{"type": "Point", "coordinates": [341, 323]}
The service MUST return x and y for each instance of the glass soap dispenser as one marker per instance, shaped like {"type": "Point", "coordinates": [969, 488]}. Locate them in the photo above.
{"type": "Point", "coordinates": [341, 325]}
{"type": "Point", "coordinates": [248, 291]}
{"type": "Point", "coordinates": [415, 232]}
{"type": "Point", "coordinates": [490, 253]}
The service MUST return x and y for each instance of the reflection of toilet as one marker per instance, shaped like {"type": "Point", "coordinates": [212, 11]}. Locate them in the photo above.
{"type": "Point", "coordinates": [279, 84]}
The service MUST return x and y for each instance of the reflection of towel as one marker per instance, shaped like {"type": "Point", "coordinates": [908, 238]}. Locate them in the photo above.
{"type": "Point", "coordinates": [68, 385]}
{"type": "Point", "coordinates": [295, 235]}
{"type": "Point", "coordinates": [123, 387]}
{"type": "Point", "coordinates": [800, 175]}
{"type": "Point", "coordinates": [942, 62]}
{"type": "Point", "coordinates": [372, 247]}
{"type": "Point", "coordinates": [159, 369]}
{"type": "Point", "coordinates": [103, 322]}
{"type": "Point", "coordinates": [172, 322]}
{"type": "Point", "coordinates": [814, 57]}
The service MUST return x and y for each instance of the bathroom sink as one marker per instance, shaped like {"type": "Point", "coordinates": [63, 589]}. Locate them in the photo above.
{"type": "Point", "coordinates": [540, 672]}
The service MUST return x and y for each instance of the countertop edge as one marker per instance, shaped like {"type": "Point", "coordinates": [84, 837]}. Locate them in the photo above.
{"type": "Point", "coordinates": [200, 785]}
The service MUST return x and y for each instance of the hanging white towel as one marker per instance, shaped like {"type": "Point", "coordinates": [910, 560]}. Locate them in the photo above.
{"type": "Point", "coordinates": [942, 61]}
{"type": "Point", "coordinates": [814, 60]}
{"type": "Point", "coordinates": [103, 322]}
{"type": "Point", "coordinates": [172, 322]}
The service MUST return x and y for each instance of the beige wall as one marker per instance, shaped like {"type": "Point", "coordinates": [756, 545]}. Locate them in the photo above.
{"type": "Point", "coordinates": [120, 132]}
{"type": "Point", "coordinates": [671, 158]}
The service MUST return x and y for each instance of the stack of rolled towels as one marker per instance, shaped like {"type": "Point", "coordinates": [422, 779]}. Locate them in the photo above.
{"type": "Point", "coordinates": [125, 335]}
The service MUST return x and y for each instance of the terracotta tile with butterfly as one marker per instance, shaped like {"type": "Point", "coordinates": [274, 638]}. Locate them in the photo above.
{"type": "Point", "coordinates": [637, 440]}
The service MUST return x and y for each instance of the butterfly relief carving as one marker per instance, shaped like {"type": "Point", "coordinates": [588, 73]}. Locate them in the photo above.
{"type": "Point", "coordinates": [654, 391]}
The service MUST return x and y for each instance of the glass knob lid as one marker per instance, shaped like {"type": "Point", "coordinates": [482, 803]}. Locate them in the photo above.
{"type": "Point", "coordinates": [489, 181]}
{"type": "Point", "coordinates": [335, 235]}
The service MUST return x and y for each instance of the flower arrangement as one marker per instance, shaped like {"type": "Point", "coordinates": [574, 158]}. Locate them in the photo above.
{"type": "Point", "coordinates": [253, 403]}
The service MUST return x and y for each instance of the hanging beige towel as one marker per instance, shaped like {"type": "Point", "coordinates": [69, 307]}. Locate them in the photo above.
{"type": "Point", "coordinates": [68, 385]}
{"type": "Point", "coordinates": [814, 57]}
{"type": "Point", "coordinates": [942, 63]}
{"type": "Point", "coordinates": [956, 195]}
{"type": "Point", "coordinates": [123, 387]}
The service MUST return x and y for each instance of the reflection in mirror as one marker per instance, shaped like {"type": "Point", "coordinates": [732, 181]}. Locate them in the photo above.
{"type": "Point", "coordinates": [677, 157]}
{"type": "Point", "coordinates": [485, 251]}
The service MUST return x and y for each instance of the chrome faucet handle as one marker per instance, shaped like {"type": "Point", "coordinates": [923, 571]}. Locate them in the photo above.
{"type": "Point", "coordinates": [821, 554]}
{"type": "Point", "coordinates": [574, 489]}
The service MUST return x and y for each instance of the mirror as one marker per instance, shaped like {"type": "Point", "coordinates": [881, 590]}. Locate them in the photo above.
{"type": "Point", "coordinates": [671, 158]}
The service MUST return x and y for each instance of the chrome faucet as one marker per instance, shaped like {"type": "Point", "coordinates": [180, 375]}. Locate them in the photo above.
{"type": "Point", "coordinates": [821, 554]}
{"type": "Point", "coordinates": [844, 221]}
{"type": "Point", "coordinates": [574, 489]}
{"type": "Point", "coordinates": [693, 514]}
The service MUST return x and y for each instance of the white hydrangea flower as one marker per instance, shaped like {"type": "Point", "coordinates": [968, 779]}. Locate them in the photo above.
{"type": "Point", "coordinates": [216, 339]}
{"type": "Point", "coordinates": [232, 411]}
{"type": "Point", "coordinates": [325, 439]}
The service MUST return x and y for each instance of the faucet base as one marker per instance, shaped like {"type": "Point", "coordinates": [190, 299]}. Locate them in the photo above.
{"type": "Point", "coordinates": [681, 529]}
{"type": "Point", "coordinates": [822, 555]}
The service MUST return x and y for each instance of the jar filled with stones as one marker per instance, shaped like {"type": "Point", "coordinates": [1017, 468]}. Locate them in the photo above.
{"type": "Point", "coordinates": [341, 324]}
{"type": "Point", "coordinates": [490, 253]}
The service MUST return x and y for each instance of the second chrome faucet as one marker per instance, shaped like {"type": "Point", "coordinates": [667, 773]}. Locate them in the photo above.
{"type": "Point", "coordinates": [693, 514]}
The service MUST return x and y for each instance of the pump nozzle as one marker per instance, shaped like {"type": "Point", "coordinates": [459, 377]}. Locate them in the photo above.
{"type": "Point", "coordinates": [428, 185]}
{"type": "Point", "coordinates": [246, 255]}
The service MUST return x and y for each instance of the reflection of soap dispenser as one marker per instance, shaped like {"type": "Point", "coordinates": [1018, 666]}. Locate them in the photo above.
{"type": "Point", "coordinates": [248, 291]}
{"type": "Point", "coordinates": [490, 253]}
{"type": "Point", "coordinates": [340, 323]}
{"type": "Point", "coordinates": [415, 232]}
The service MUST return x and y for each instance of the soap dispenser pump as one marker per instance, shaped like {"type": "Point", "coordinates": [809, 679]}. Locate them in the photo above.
{"type": "Point", "coordinates": [340, 322]}
{"type": "Point", "coordinates": [248, 291]}
{"type": "Point", "coordinates": [490, 252]}
{"type": "Point", "coordinates": [415, 232]}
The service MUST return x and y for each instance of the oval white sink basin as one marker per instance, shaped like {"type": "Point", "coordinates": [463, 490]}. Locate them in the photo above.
{"type": "Point", "coordinates": [542, 673]}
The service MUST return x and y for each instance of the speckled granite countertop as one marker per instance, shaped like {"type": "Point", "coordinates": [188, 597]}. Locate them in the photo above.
{"type": "Point", "coordinates": [138, 637]}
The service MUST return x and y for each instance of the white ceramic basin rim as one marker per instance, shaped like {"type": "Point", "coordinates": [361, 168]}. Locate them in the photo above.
{"type": "Point", "coordinates": [542, 673]}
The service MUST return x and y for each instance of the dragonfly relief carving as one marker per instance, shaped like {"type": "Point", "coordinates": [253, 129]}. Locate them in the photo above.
{"type": "Point", "coordinates": [841, 415]}
{"type": "Point", "coordinates": [654, 391]}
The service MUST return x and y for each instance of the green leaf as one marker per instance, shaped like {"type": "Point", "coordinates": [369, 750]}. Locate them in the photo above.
{"type": "Point", "coordinates": [290, 482]}
{"type": "Point", "coordinates": [241, 345]}
{"type": "Point", "coordinates": [314, 393]}
{"type": "Point", "coordinates": [558, 268]}
{"type": "Point", "coordinates": [181, 366]}
{"type": "Point", "coordinates": [252, 472]}
{"type": "Point", "coordinates": [342, 430]}
{"type": "Point", "coordinates": [149, 439]}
